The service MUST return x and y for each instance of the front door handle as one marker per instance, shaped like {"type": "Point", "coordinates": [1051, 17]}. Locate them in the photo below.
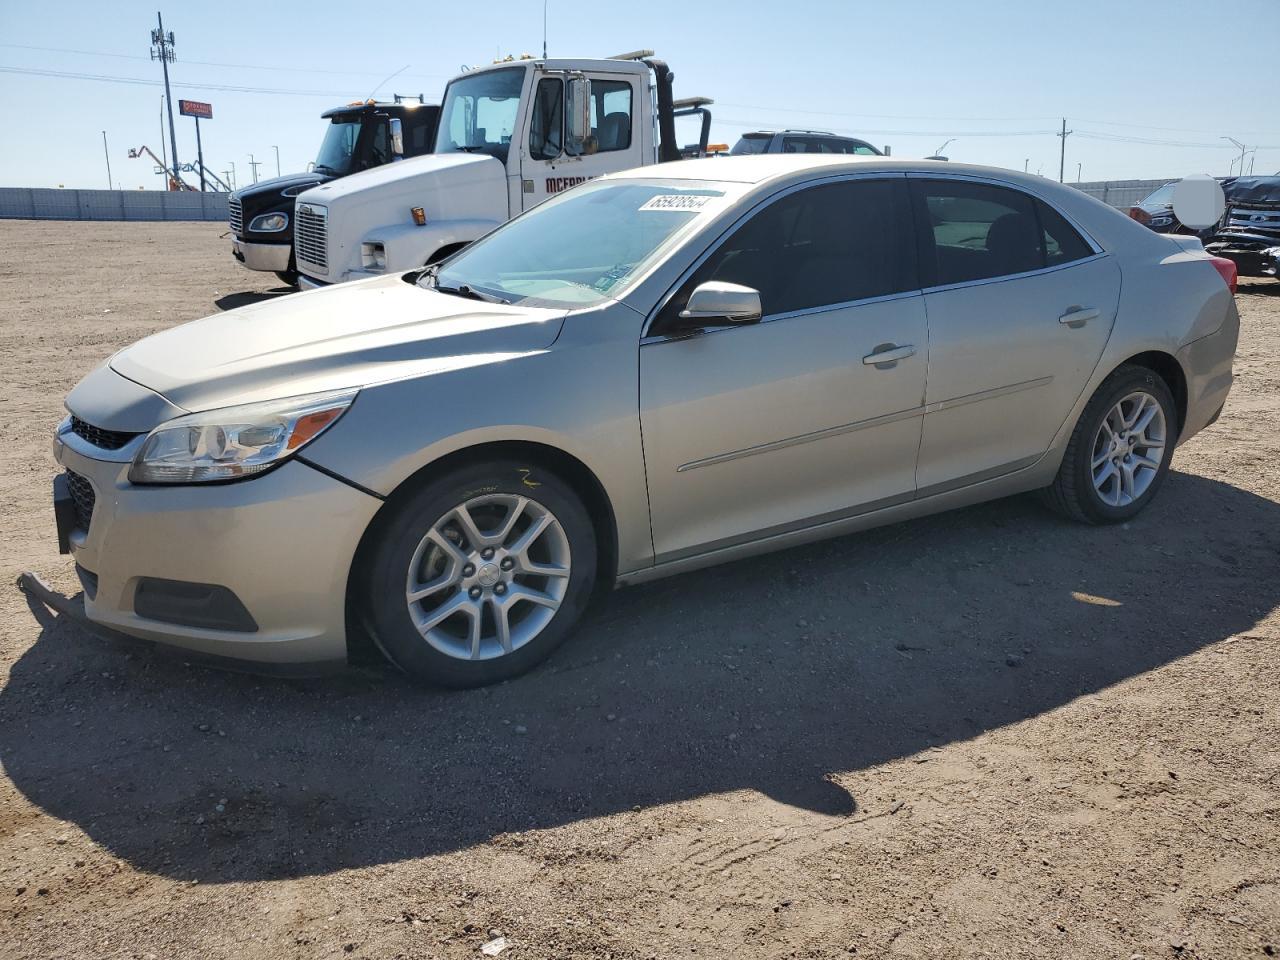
{"type": "Point", "coordinates": [1079, 316]}
{"type": "Point", "coordinates": [887, 354]}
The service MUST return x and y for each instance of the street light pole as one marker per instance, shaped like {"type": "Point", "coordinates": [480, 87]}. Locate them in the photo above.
{"type": "Point", "coordinates": [106, 153]}
{"type": "Point", "coordinates": [277, 150]}
{"type": "Point", "coordinates": [254, 165]}
{"type": "Point", "coordinates": [1237, 143]}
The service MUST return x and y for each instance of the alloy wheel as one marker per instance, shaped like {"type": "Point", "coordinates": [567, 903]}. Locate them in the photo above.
{"type": "Point", "coordinates": [1128, 449]}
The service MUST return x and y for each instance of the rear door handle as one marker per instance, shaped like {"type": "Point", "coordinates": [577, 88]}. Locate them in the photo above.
{"type": "Point", "coordinates": [1079, 316]}
{"type": "Point", "coordinates": [888, 353]}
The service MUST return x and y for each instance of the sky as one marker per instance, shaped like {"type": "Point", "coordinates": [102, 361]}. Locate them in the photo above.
{"type": "Point", "coordinates": [1143, 85]}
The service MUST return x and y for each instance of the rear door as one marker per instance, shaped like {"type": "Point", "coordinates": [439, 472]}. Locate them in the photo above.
{"type": "Point", "coordinates": [1020, 307]}
{"type": "Point", "coordinates": [548, 166]}
{"type": "Point", "coordinates": [768, 427]}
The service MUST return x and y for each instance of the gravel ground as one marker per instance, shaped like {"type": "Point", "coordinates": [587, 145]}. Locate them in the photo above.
{"type": "Point", "coordinates": [990, 733]}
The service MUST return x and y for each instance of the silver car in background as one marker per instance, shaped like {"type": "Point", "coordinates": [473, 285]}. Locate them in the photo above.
{"type": "Point", "coordinates": [656, 371]}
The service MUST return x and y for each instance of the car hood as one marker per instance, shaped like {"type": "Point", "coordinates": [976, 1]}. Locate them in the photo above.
{"type": "Point", "coordinates": [352, 335]}
{"type": "Point", "coordinates": [276, 184]}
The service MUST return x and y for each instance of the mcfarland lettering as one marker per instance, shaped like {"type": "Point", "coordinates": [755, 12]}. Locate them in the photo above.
{"type": "Point", "coordinates": [559, 184]}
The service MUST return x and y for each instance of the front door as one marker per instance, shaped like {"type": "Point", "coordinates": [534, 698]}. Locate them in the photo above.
{"type": "Point", "coordinates": [1020, 309]}
{"type": "Point", "coordinates": [767, 427]}
{"type": "Point", "coordinates": [548, 166]}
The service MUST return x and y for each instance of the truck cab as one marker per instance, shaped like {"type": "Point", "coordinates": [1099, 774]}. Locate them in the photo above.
{"type": "Point", "coordinates": [359, 136]}
{"type": "Point", "coordinates": [510, 135]}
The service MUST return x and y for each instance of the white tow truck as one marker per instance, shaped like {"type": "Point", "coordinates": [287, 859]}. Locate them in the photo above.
{"type": "Point", "coordinates": [510, 135]}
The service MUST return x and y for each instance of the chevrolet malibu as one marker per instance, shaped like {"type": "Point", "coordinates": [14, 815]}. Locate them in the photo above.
{"type": "Point", "coordinates": [656, 371]}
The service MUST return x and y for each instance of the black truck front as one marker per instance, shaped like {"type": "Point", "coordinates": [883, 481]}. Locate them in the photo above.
{"type": "Point", "coordinates": [261, 218]}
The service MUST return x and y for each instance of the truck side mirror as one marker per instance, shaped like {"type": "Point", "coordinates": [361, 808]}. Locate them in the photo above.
{"type": "Point", "coordinates": [396, 129]}
{"type": "Point", "coordinates": [578, 113]}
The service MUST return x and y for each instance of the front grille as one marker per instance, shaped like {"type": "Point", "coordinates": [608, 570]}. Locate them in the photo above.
{"type": "Point", "coordinates": [1254, 218]}
{"type": "Point", "coordinates": [106, 439]}
{"type": "Point", "coordinates": [310, 236]}
{"type": "Point", "coordinates": [84, 497]}
{"type": "Point", "coordinates": [235, 216]}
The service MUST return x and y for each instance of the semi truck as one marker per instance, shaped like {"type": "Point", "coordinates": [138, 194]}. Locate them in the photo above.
{"type": "Point", "coordinates": [360, 136]}
{"type": "Point", "coordinates": [510, 135]}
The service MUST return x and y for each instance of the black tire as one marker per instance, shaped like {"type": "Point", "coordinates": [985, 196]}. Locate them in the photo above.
{"type": "Point", "coordinates": [401, 529]}
{"type": "Point", "coordinates": [1072, 492]}
{"type": "Point", "coordinates": [288, 277]}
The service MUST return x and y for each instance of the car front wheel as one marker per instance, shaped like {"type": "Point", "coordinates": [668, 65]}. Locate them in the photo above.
{"type": "Point", "coordinates": [1120, 450]}
{"type": "Point", "coordinates": [478, 575]}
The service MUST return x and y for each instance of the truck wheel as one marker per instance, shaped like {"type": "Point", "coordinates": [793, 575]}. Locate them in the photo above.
{"type": "Point", "coordinates": [479, 575]}
{"type": "Point", "coordinates": [1120, 450]}
{"type": "Point", "coordinates": [288, 277]}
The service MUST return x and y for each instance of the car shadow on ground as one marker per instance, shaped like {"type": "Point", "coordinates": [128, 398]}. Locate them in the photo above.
{"type": "Point", "coordinates": [246, 297]}
{"type": "Point", "coordinates": [768, 674]}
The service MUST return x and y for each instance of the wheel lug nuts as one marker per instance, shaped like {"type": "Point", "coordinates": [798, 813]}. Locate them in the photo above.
{"type": "Point", "coordinates": [500, 589]}
{"type": "Point", "coordinates": [468, 570]}
{"type": "Point", "coordinates": [507, 563]}
{"type": "Point", "coordinates": [487, 553]}
{"type": "Point", "coordinates": [474, 593]}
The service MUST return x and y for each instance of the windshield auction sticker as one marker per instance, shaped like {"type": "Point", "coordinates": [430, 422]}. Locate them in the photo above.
{"type": "Point", "coordinates": [677, 202]}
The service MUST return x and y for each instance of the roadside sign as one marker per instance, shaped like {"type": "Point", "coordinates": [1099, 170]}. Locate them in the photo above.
{"type": "Point", "coordinates": [194, 108]}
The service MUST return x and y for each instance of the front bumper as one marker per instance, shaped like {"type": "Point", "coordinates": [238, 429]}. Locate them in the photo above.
{"type": "Point", "coordinates": [282, 542]}
{"type": "Point", "coordinates": [268, 257]}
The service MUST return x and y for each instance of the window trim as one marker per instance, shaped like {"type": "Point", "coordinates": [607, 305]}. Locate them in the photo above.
{"type": "Point", "coordinates": [646, 337]}
{"type": "Point", "coordinates": [1098, 250]}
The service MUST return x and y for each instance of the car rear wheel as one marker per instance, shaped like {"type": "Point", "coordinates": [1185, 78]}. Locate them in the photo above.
{"type": "Point", "coordinates": [1120, 450]}
{"type": "Point", "coordinates": [477, 576]}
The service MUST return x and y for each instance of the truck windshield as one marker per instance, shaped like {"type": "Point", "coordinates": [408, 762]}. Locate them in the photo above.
{"type": "Point", "coordinates": [480, 113]}
{"type": "Point", "coordinates": [582, 247]}
{"type": "Point", "coordinates": [338, 149]}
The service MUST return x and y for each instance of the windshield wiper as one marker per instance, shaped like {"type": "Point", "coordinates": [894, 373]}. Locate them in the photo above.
{"type": "Point", "coordinates": [462, 290]}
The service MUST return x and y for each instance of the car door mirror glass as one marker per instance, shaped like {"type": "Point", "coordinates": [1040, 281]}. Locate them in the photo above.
{"type": "Point", "coordinates": [578, 113]}
{"type": "Point", "coordinates": [397, 137]}
{"type": "Point", "coordinates": [719, 302]}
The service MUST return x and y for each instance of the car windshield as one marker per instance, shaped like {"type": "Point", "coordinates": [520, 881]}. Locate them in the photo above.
{"type": "Point", "coordinates": [337, 150]}
{"type": "Point", "coordinates": [751, 143]}
{"type": "Point", "coordinates": [480, 112]}
{"type": "Point", "coordinates": [1162, 196]}
{"type": "Point", "coordinates": [582, 247]}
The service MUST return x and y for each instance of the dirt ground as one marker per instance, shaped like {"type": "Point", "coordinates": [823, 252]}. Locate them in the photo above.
{"type": "Point", "coordinates": [990, 733]}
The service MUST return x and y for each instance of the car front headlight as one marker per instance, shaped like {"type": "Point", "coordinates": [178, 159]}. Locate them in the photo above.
{"type": "Point", "coordinates": [269, 223]}
{"type": "Point", "coordinates": [235, 442]}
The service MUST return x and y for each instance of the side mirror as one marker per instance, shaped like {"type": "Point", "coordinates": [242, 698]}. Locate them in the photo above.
{"type": "Point", "coordinates": [396, 128]}
{"type": "Point", "coordinates": [725, 302]}
{"type": "Point", "coordinates": [578, 113]}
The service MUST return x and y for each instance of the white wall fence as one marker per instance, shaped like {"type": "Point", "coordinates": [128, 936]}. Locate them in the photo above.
{"type": "Point", "coordinates": [37, 203]}
{"type": "Point", "coordinates": [1122, 194]}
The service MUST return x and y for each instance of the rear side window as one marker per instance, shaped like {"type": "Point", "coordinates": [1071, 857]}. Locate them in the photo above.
{"type": "Point", "coordinates": [818, 247]}
{"type": "Point", "coordinates": [975, 231]}
{"type": "Point", "coordinates": [751, 144]}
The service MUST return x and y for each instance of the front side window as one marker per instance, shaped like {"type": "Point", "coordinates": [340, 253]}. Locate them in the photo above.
{"type": "Point", "coordinates": [611, 114]}
{"type": "Point", "coordinates": [818, 247]}
{"type": "Point", "coordinates": [978, 231]}
{"type": "Point", "coordinates": [582, 247]}
{"type": "Point", "coordinates": [480, 112]}
{"type": "Point", "coordinates": [546, 129]}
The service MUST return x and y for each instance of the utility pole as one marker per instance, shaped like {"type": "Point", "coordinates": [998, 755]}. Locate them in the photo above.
{"type": "Point", "coordinates": [1062, 157]}
{"type": "Point", "coordinates": [233, 174]}
{"type": "Point", "coordinates": [1237, 143]}
{"type": "Point", "coordinates": [1079, 166]}
{"type": "Point", "coordinates": [1025, 164]}
{"type": "Point", "coordinates": [254, 165]}
{"type": "Point", "coordinates": [106, 153]}
{"type": "Point", "coordinates": [277, 150]}
{"type": "Point", "coordinates": [162, 50]}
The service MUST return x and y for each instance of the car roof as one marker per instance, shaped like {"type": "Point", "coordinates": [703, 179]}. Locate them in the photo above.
{"type": "Point", "coordinates": [764, 167]}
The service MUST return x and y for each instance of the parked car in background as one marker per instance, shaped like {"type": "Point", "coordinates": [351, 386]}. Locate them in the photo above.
{"type": "Point", "coordinates": [658, 370]}
{"type": "Point", "coordinates": [360, 136]}
{"type": "Point", "coordinates": [1249, 234]}
{"type": "Point", "coordinates": [1156, 211]}
{"type": "Point", "coordinates": [802, 141]}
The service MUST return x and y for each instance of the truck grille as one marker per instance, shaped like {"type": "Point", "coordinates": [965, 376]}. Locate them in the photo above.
{"type": "Point", "coordinates": [235, 216]}
{"type": "Point", "coordinates": [83, 496]}
{"type": "Point", "coordinates": [310, 236]}
{"type": "Point", "coordinates": [106, 439]}
{"type": "Point", "coordinates": [1254, 218]}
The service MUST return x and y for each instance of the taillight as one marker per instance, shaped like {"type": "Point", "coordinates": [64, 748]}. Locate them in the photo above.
{"type": "Point", "coordinates": [1137, 213]}
{"type": "Point", "coordinates": [1228, 270]}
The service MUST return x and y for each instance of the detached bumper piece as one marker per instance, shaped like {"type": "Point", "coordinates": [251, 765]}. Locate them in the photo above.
{"type": "Point", "coordinates": [205, 606]}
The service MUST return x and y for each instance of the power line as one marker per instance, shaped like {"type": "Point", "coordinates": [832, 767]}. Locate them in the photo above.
{"type": "Point", "coordinates": [229, 88]}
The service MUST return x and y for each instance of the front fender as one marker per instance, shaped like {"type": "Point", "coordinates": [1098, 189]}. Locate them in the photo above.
{"type": "Point", "coordinates": [409, 246]}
